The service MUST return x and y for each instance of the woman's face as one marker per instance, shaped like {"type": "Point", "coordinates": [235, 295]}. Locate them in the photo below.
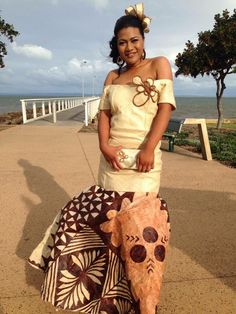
{"type": "Point", "coordinates": [130, 45]}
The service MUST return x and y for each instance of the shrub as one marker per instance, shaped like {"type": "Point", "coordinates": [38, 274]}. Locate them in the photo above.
{"type": "Point", "coordinates": [222, 143]}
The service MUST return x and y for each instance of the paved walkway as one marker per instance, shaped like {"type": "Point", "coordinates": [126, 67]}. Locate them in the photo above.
{"type": "Point", "coordinates": [71, 117]}
{"type": "Point", "coordinates": [41, 168]}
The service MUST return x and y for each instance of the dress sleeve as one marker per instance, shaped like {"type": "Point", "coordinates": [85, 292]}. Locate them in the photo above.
{"type": "Point", "coordinates": [167, 93]}
{"type": "Point", "coordinates": [104, 101]}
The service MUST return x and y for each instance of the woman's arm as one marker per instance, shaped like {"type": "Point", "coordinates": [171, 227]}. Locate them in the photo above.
{"type": "Point", "coordinates": [109, 152]}
{"type": "Point", "coordinates": [145, 160]}
{"type": "Point", "coordinates": [104, 127]}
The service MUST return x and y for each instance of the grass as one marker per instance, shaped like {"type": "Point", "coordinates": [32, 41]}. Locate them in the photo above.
{"type": "Point", "coordinates": [231, 126]}
{"type": "Point", "coordinates": [222, 142]}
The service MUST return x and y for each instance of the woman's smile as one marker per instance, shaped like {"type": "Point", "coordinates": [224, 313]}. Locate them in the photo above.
{"type": "Point", "coordinates": [130, 54]}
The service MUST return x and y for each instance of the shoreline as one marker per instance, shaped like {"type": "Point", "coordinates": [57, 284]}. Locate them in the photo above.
{"type": "Point", "coordinates": [11, 118]}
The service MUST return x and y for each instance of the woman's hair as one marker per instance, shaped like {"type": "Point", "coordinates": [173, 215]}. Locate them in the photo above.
{"type": "Point", "coordinates": [123, 22]}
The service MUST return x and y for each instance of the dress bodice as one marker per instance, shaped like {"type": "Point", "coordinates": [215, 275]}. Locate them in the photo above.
{"type": "Point", "coordinates": [133, 107]}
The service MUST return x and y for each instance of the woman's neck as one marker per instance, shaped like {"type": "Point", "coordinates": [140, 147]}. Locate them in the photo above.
{"type": "Point", "coordinates": [135, 65]}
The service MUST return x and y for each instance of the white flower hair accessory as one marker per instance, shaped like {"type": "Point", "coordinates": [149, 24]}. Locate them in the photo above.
{"type": "Point", "coordinates": [138, 11]}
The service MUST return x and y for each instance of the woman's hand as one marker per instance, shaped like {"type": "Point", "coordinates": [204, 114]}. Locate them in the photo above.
{"type": "Point", "coordinates": [145, 160]}
{"type": "Point", "coordinates": [110, 153]}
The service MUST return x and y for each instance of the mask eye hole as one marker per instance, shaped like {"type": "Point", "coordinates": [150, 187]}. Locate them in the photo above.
{"type": "Point", "coordinates": [138, 253]}
{"type": "Point", "coordinates": [160, 253]}
{"type": "Point", "coordinates": [150, 235]}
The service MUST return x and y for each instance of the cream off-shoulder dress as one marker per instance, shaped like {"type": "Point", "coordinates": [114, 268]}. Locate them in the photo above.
{"type": "Point", "coordinates": [133, 107]}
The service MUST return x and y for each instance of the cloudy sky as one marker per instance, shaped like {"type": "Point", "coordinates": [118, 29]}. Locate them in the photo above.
{"type": "Point", "coordinates": [57, 36]}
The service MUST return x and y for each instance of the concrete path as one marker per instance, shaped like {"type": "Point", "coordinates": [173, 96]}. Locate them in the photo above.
{"type": "Point", "coordinates": [41, 168]}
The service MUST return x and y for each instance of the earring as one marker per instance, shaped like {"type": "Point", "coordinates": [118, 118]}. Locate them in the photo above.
{"type": "Point", "coordinates": [119, 61]}
{"type": "Point", "coordinates": [144, 54]}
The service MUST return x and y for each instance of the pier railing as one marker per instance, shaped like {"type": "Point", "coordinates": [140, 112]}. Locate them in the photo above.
{"type": "Point", "coordinates": [91, 109]}
{"type": "Point", "coordinates": [35, 109]}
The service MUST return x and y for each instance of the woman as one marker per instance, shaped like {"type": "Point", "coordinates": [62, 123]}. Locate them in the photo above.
{"type": "Point", "coordinates": [104, 253]}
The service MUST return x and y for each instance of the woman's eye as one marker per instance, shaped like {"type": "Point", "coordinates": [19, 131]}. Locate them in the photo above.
{"type": "Point", "coordinates": [121, 43]}
{"type": "Point", "coordinates": [134, 40]}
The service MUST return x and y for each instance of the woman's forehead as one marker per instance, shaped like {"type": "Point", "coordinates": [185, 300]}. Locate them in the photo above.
{"type": "Point", "coordinates": [128, 32]}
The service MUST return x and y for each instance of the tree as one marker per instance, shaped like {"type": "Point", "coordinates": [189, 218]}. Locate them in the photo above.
{"type": "Point", "coordinates": [8, 31]}
{"type": "Point", "coordinates": [214, 54]}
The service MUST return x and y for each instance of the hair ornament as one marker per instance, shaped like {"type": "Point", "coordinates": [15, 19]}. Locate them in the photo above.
{"type": "Point", "coordinates": [138, 11]}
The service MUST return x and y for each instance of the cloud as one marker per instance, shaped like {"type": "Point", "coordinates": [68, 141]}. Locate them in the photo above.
{"type": "Point", "coordinates": [68, 76]}
{"type": "Point", "coordinates": [99, 3]}
{"type": "Point", "coordinates": [76, 66]}
{"type": "Point", "coordinates": [51, 76]}
{"type": "Point", "coordinates": [6, 76]}
{"type": "Point", "coordinates": [32, 51]}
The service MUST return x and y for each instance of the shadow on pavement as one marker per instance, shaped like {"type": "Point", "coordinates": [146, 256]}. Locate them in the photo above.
{"type": "Point", "coordinates": [51, 198]}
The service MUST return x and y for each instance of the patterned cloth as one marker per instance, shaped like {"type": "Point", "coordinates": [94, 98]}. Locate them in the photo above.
{"type": "Point", "coordinates": [104, 253]}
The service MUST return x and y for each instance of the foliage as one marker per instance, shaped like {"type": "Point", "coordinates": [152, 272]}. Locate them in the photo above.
{"type": "Point", "coordinates": [214, 54]}
{"type": "Point", "coordinates": [9, 32]}
{"type": "Point", "coordinates": [222, 143]}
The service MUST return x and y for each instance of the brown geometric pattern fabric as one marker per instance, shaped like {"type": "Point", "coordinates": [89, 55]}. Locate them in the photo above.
{"type": "Point", "coordinates": [104, 253]}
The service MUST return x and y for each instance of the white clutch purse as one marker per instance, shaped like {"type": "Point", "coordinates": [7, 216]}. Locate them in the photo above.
{"type": "Point", "coordinates": [127, 158]}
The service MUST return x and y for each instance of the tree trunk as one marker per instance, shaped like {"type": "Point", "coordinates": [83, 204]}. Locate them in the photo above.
{"type": "Point", "coordinates": [219, 93]}
{"type": "Point", "coordinates": [220, 112]}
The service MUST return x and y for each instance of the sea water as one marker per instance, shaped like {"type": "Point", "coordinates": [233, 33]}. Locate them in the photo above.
{"type": "Point", "coordinates": [204, 107]}
{"type": "Point", "coordinates": [187, 107]}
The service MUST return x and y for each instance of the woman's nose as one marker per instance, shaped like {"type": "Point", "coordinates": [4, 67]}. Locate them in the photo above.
{"type": "Point", "coordinates": [129, 46]}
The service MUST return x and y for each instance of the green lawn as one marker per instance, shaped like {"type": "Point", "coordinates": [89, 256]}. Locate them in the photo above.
{"type": "Point", "coordinates": [224, 126]}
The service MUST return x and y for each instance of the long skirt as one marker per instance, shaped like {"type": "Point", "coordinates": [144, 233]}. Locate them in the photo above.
{"type": "Point", "coordinates": [104, 253]}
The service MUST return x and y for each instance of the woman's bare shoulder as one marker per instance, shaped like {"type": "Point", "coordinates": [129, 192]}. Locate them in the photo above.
{"type": "Point", "coordinates": [111, 76]}
{"type": "Point", "coordinates": [162, 66]}
{"type": "Point", "coordinates": [160, 60]}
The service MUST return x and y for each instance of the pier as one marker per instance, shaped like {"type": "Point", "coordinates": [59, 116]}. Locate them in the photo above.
{"type": "Point", "coordinates": [42, 108]}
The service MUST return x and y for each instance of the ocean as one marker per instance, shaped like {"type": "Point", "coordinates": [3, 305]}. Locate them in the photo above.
{"type": "Point", "coordinates": [188, 107]}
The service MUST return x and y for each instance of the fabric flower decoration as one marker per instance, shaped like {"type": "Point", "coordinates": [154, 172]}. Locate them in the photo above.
{"type": "Point", "coordinates": [145, 91]}
{"type": "Point", "coordinates": [138, 11]}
